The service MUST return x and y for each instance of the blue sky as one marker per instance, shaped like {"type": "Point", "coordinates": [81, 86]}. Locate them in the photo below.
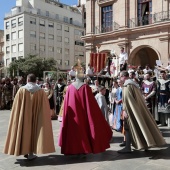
{"type": "Point", "coordinates": [6, 5]}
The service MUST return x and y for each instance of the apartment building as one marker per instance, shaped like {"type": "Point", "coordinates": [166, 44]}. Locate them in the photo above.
{"type": "Point", "coordinates": [46, 28]}
{"type": "Point", "coordinates": [142, 27]}
{"type": "Point", "coordinates": [1, 53]}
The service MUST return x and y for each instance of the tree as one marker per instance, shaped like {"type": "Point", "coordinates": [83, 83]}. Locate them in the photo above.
{"type": "Point", "coordinates": [31, 64]}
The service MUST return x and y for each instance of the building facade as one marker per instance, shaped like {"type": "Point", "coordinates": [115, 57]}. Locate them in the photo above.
{"type": "Point", "coordinates": [142, 27]}
{"type": "Point", "coordinates": [1, 54]}
{"type": "Point", "coordinates": [45, 28]}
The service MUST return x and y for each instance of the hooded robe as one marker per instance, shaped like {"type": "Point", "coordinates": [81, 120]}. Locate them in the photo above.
{"type": "Point", "coordinates": [30, 129]}
{"type": "Point", "coordinates": [84, 129]}
{"type": "Point", "coordinates": [142, 126]}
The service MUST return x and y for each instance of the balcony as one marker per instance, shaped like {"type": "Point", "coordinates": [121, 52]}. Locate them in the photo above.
{"type": "Point", "coordinates": [103, 29]}
{"type": "Point", "coordinates": [150, 19]}
{"type": "Point", "coordinates": [140, 21]}
{"type": "Point", "coordinates": [161, 16]}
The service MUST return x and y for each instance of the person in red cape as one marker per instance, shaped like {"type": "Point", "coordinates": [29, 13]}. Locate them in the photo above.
{"type": "Point", "coordinates": [84, 129]}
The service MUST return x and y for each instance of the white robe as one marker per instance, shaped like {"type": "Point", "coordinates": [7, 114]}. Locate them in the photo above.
{"type": "Point", "coordinates": [103, 105]}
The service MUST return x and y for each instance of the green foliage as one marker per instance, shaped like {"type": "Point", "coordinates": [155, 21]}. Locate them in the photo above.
{"type": "Point", "coordinates": [31, 64]}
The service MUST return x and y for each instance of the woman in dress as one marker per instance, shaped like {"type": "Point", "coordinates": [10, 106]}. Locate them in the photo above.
{"type": "Point", "coordinates": [112, 97]}
{"type": "Point", "coordinates": [50, 94]}
{"type": "Point", "coordinates": [60, 116]}
{"type": "Point", "coordinates": [117, 125]}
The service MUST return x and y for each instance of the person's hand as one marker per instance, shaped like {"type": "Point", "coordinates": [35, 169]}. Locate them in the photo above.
{"type": "Point", "coordinates": [169, 101]}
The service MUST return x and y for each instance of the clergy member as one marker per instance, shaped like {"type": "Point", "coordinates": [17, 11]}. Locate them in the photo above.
{"type": "Point", "coordinates": [84, 129]}
{"type": "Point", "coordinates": [140, 126]}
{"type": "Point", "coordinates": [30, 129]}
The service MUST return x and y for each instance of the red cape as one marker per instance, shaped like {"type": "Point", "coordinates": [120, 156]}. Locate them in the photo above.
{"type": "Point", "coordinates": [84, 128]}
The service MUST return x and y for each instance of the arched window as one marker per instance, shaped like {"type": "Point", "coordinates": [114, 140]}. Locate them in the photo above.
{"type": "Point", "coordinates": [144, 12]}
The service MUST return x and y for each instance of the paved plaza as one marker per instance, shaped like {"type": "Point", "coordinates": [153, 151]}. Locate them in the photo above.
{"type": "Point", "coordinates": [154, 159]}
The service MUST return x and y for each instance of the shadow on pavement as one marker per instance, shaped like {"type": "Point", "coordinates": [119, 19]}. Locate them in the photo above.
{"type": "Point", "coordinates": [109, 155]}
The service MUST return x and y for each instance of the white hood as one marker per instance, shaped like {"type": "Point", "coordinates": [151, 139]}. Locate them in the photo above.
{"type": "Point", "coordinates": [31, 87]}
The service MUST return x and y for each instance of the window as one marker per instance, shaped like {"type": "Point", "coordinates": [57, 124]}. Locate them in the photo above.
{"type": "Point", "coordinates": [42, 48]}
{"type": "Point", "coordinates": [67, 62]}
{"type": "Point", "coordinates": [7, 25]}
{"type": "Point", "coordinates": [42, 22]}
{"type": "Point", "coordinates": [14, 49]}
{"type": "Point", "coordinates": [107, 19]}
{"type": "Point", "coordinates": [7, 37]}
{"type": "Point", "coordinates": [13, 58]}
{"type": "Point", "coordinates": [51, 24]}
{"type": "Point", "coordinates": [38, 11]}
{"type": "Point", "coordinates": [57, 16]}
{"type": "Point", "coordinates": [79, 43]}
{"type": "Point", "coordinates": [59, 62]}
{"type": "Point", "coordinates": [20, 47]}
{"type": "Point", "coordinates": [32, 47]}
{"type": "Point", "coordinates": [51, 37]}
{"type": "Point", "coordinates": [144, 12]}
{"type": "Point", "coordinates": [47, 13]}
{"type": "Point", "coordinates": [32, 34]}
{"type": "Point", "coordinates": [13, 23]}
{"type": "Point", "coordinates": [13, 36]}
{"type": "Point", "coordinates": [59, 38]}
{"type": "Point", "coordinates": [81, 54]}
{"type": "Point", "coordinates": [66, 19]}
{"type": "Point", "coordinates": [66, 51]}
{"type": "Point", "coordinates": [66, 28]}
{"type": "Point", "coordinates": [32, 20]}
{"type": "Point", "coordinates": [59, 50]}
{"type": "Point", "coordinates": [20, 34]}
{"type": "Point", "coordinates": [50, 48]}
{"type": "Point", "coordinates": [78, 32]}
{"type": "Point", "coordinates": [66, 40]}
{"type": "Point", "coordinates": [20, 21]}
{"type": "Point", "coordinates": [7, 49]}
{"type": "Point", "coordinates": [42, 35]}
{"type": "Point", "coordinates": [71, 20]}
{"type": "Point", "coordinates": [59, 27]}
{"type": "Point", "coordinates": [76, 55]}
{"type": "Point", "coordinates": [7, 62]}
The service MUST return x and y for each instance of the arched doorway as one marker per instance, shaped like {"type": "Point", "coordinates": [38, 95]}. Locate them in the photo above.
{"type": "Point", "coordinates": [144, 55]}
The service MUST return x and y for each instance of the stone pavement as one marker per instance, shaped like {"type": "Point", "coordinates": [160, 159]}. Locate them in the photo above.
{"type": "Point", "coordinates": [154, 159]}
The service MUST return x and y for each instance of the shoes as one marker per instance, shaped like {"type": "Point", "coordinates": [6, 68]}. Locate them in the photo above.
{"type": "Point", "coordinates": [30, 156]}
{"type": "Point", "coordinates": [26, 156]}
{"type": "Point", "coordinates": [123, 144]}
{"type": "Point", "coordinates": [125, 150]}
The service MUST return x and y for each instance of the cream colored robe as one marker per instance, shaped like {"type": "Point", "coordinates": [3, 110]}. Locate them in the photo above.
{"type": "Point", "coordinates": [30, 128]}
{"type": "Point", "coordinates": [143, 128]}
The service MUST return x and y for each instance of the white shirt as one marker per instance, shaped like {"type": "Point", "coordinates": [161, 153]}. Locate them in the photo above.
{"type": "Point", "coordinates": [89, 71]}
{"type": "Point", "coordinates": [72, 73]}
{"type": "Point", "coordinates": [123, 57]}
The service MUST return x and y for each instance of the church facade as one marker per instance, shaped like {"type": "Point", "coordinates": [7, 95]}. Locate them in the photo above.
{"type": "Point", "coordinates": [142, 27]}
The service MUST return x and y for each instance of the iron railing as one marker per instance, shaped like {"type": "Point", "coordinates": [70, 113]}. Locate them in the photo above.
{"type": "Point", "coordinates": [102, 28]}
{"type": "Point", "coordinates": [140, 21]}
{"type": "Point", "coordinates": [150, 19]}
{"type": "Point", "coordinates": [161, 16]}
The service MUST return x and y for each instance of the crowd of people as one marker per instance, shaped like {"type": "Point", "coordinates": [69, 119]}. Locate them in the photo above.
{"type": "Point", "coordinates": [90, 106]}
